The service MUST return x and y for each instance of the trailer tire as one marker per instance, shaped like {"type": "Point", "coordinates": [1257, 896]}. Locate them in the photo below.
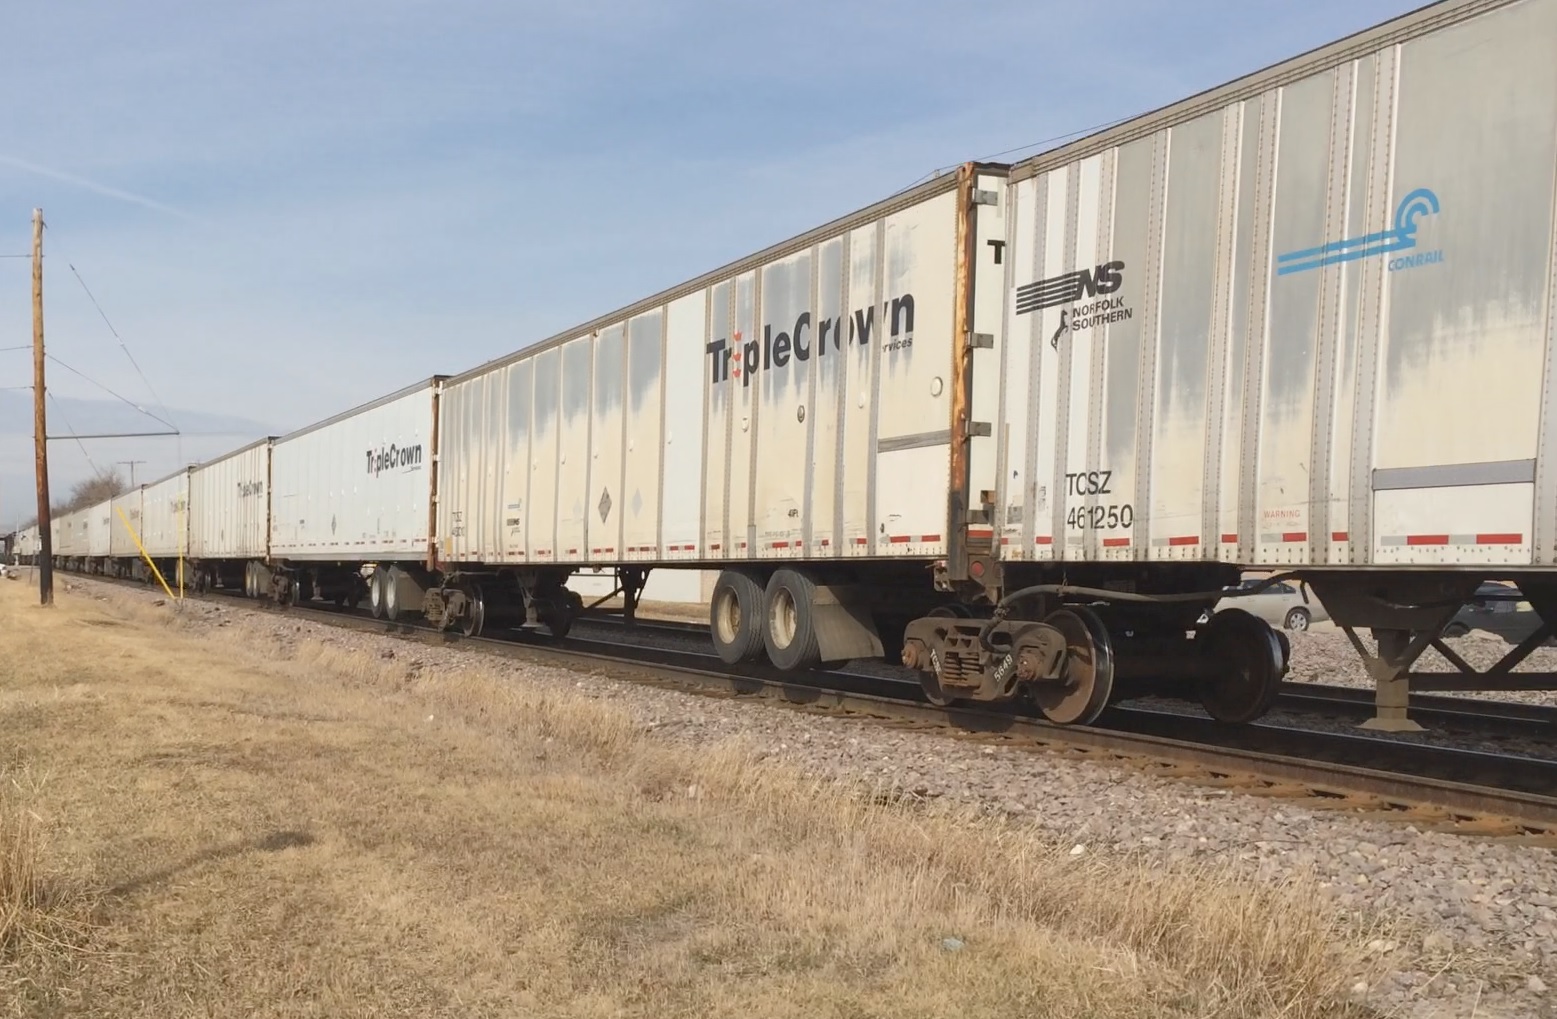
{"type": "Point", "coordinates": [391, 594]}
{"type": "Point", "coordinates": [735, 617]}
{"type": "Point", "coordinates": [376, 592]}
{"type": "Point", "coordinates": [789, 623]}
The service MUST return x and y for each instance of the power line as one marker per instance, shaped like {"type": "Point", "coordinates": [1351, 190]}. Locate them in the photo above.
{"type": "Point", "coordinates": [1020, 148]}
{"type": "Point", "coordinates": [1058, 138]}
{"type": "Point", "coordinates": [149, 388]}
{"type": "Point", "coordinates": [63, 418]}
{"type": "Point", "coordinates": [113, 394]}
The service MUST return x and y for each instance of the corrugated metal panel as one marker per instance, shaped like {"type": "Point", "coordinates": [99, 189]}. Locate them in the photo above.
{"type": "Point", "coordinates": [165, 516]}
{"type": "Point", "coordinates": [124, 507]}
{"type": "Point", "coordinates": [798, 409]}
{"type": "Point", "coordinates": [357, 487]}
{"type": "Point", "coordinates": [1226, 329]}
{"type": "Point", "coordinates": [1357, 46]}
{"type": "Point", "coordinates": [230, 505]}
{"type": "Point", "coordinates": [902, 200]}
{"type": "Point", "coordinates": [99, 528]}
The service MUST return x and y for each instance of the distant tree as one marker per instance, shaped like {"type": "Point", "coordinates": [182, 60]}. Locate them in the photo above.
{"type": "Point", "coordinates": [101, 487]}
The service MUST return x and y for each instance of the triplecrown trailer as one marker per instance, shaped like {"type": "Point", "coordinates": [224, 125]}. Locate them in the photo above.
{"type": "Point", "coordinates": [352, 491]}
{"type": "Point", "coordinates": [804, 405]}
{"type": "Point", "coordinates": [229, 517]}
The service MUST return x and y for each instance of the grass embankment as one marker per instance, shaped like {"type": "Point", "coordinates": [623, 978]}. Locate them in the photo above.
{"type": "Point", "coordinates": [318, 832]}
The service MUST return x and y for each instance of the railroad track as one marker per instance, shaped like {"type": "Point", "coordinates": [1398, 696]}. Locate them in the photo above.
{"type": "Point", "coordinates": [1345, 702]}
{"type": "Point", "coordinates": [1433, 788]}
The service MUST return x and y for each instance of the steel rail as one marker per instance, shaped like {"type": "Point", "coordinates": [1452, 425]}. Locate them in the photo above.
{"type": "Point", "coordinates": [1463, 791]}
{"type": "Point", "coordinates": [1467, 791]}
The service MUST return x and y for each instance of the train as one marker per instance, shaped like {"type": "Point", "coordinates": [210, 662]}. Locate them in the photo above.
{"type": "Point", "coordinates": [1019, 427]}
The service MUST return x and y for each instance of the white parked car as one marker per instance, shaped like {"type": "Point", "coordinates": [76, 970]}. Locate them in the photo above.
{"type": "Point", "coordinates": [1289, 605]}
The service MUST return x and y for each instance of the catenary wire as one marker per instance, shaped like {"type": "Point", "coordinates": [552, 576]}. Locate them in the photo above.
{"type": "Point", "coordinates": [111, 393]}
{"type": "Point", "coordinates": [57, 406]}
{"type": "Point", "coordinates": [122, 346]}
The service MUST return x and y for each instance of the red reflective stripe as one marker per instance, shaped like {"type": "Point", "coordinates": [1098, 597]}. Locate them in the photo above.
{"type": "Point", "coordinates": [1115, 542]}
{"type": "Point", "coordinates": [1427, 539]}
{"type": "Point", "coordinates": [780, 544]}
{"type": "Point", "coordinates": [1043, 539]}
{"type": "Point", "coordinates": [1005, 541]}
{"type": "Point", "coordinates": [1295, 536]}
{"type": "Point", "coordinates": [1229, 539]}
{"type": "Point", "coordinates": [714, 548]}
{"type": "Point", "coordinates": [978, 532]}
{"type": "Point", "coordinates": [826, 542]}
{"type": "Point", "coordinates": [1338, 536]}
{"type": "Point", "coordinates": [899, 539]}
{"type": "Point", "coordinates": [1500, 539]}
{"type": "Point", "coordinates": [937, 537]}
{"type": "Point", "coordinates": [862, 541]}
{"type": "Point", "coordinates": [572, 551]}
{"type": "Point", "coordinates": [1189, 539]}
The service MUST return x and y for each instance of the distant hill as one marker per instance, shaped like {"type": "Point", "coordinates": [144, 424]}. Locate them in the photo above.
{"type": "Point", "coordinates": [203, 436]}
{"type": "Point", "coordinates": [68, 414]}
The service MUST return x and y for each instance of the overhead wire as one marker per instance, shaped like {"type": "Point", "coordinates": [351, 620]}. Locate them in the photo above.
{"type": "Point", "coordinates": [90, 462]}
{"type": "Point", "coordinates": [122, 346]}
{"type": "Point", "coordinates": [111, 393]}
{"type": "Point", "coordinates": [1053, 139]}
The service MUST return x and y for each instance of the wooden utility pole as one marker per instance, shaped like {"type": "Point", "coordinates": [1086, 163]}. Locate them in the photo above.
{"type": "Point", "coordinates": [39, 423]}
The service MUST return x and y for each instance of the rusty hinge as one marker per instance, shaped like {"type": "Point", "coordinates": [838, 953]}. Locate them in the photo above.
{"type": "Point", "coordinates": [986, 197]}
{"type": "Point", "coordinates": [981, 341]}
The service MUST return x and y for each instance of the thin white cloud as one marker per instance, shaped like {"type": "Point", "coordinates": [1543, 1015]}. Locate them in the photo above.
{"type": "Point", "coordinates": [92, 185]}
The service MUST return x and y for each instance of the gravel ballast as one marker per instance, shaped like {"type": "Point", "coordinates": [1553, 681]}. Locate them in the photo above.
{"type": "Point", "coordinates": [1486, 912]}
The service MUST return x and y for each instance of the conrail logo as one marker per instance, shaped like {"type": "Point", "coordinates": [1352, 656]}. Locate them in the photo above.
{"type": "Point", "coordinates": [1418, 204]}
{"type": "Point", "coordinates": [394, 458]}
{"type": "Point", "coordinates": [249, 489]}
{"type": "Point", "coordinates": [1070, 287]}
{"type": "Point", "coordinates": [735, 358]}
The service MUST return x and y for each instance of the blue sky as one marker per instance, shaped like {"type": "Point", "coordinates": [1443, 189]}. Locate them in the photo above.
{"type": "Point", "coordinates": [289, 208]}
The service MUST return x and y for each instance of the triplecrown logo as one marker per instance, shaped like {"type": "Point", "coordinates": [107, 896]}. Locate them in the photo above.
{"type": "Point", "coordinates": [394, 458]}
{"type": "Point", "coordinates": [735, 358]}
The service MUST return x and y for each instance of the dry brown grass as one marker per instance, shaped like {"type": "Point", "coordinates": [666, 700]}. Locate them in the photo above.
{"type": "Point", "coordinates": [318, 832]}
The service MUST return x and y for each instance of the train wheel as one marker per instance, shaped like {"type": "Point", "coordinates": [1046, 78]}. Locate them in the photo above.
{"type": "Point", "coordinates": [1250, 663]}
{"type": "Point", "coordinates": [735, 617]}
{"type": "Point", "coordinates": [936, 694]}
{"type": "Point", "coordinates": [929, 681]}
{"type": "Point", "coordinates": [1089, 669]}
{"type": "Point", "coordinates": [475, 618]}
{"type": "Point", "coordinates": [376, 593]}
{"type": "Point", "coordinates": [789, 631]}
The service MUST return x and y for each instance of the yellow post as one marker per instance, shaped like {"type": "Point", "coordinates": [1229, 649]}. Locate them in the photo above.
{"type": "Point", "coordinates": [183, 506]}
{"type": "Point", "coordinates": [137, 539]}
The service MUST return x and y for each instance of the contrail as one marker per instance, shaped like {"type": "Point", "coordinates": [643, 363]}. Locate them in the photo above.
{"type": "Point", "coordinates": [91, 185]}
